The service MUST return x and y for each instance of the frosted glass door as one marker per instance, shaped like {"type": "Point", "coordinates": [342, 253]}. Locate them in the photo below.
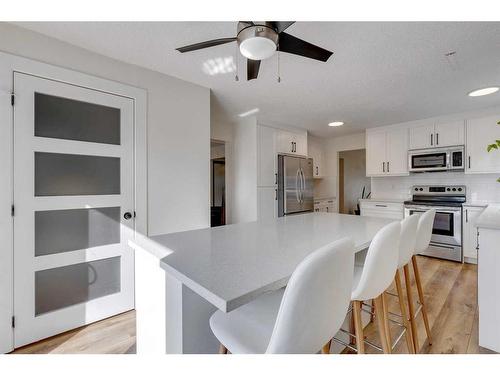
{"type": "Point", "coordinates": [74, 202]}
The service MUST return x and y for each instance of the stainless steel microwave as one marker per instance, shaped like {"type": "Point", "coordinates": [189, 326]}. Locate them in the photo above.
{"type": "Point", "coordinates": [437, 159]}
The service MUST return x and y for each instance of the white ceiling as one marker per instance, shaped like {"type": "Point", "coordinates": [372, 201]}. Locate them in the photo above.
{"type": "Point", "coordinates": [381, 73]}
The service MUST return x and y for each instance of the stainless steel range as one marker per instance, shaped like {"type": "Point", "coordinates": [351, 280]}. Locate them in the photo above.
{"type": "Point", "coordinates": [446, 240]}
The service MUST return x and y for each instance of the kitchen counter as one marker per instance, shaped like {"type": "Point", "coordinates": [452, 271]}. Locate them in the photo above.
{"type": "Point", "coordinates": [224, 268]}
{"type": "Point", "coordinates": [490, 217]}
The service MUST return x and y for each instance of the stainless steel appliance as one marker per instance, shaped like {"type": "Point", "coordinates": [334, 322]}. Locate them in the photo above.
{"type": "Point", "coordinates": [295, 185]}
{"type": "Point", "coordinates": [446, 240]}
{"type": "Point", "coordinates": [437, 159]}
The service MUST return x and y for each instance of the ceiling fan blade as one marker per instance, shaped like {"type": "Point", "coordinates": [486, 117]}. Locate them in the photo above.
{"type": "Point", "coordinates": [280, 26]}
{"type": "Point", "coordinates": [290, 44]}
{"type": "Point", "coordinates": [208, 43]}
{"type": "Point", "coordinates": [252, 69]}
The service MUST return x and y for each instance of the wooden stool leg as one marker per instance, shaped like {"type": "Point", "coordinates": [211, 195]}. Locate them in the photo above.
{"type": "Point", "coordinates": [372, 316]}
{"type": "Point", "coordinates": [386, 320]}
{"type": "Point", "coordinates": [379, 314]}
{"type": "Point", "coordinates": [358, 327]}
{"type": "Point", "coordinates": [222, 349]}
{"type": "Point", "coordinates": [326, 348]}
{"type": "Point", "coordinates": [421, 298]}
{"type": "Point", "coordinates": [352, 327]}
{"type": "Point", "coordinates": [402, 306]}
{"type": "Point", "coordinates": [411, 308]}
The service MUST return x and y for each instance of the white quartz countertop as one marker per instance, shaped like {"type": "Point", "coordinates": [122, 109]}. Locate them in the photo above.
{"type": "Point", "coordinates": [233, 264]}
{"type": "Point", "coordinates": [490, 217]}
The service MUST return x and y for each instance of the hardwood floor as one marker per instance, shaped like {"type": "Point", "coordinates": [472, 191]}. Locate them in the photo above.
{"type": "Point", "coordinates": [115, 335]}
{"type": "Point", "coordinates": [450, 293]}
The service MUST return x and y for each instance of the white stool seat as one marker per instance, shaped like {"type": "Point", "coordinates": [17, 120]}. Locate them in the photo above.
{"type": "Point", "coordinates": [248, 329]}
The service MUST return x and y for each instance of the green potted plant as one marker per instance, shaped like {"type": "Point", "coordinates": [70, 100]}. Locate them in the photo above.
{"type": "Point", "coordinates": [495, 146]}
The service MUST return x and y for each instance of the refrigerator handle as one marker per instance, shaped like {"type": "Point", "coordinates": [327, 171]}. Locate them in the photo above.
{"type": "Point", "coordinates": [297, 185]}
{"type": "Point", "coordinates": [302, 185]}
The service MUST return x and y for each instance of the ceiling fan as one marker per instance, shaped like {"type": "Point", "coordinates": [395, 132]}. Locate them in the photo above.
{"type": "Point", "coordinates": [259, 40]}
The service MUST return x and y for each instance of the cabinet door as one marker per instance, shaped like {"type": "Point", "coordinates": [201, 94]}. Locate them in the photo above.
{"type": "Point", "coordinates": [480, 133]}
{"type": "Point", "coordinates": [450, 134]}
{"type": "Point", "coordinates": [397, 152]}
{"type": "Point", "coordinates": [315, 152]}
{"type": "Point", "coordinates": [285, 142]}
{"type": "Point", "coordinates": [470, 231]}
{"type": "Point", "coordinates": [375, 153]}
{"type": "Point", "coordinates": [300, 144]}
{"type": "Point", "coordinates": [267, 203]}
{"type": "Point", "coordinates": [422, 137]}
{"type": "Point", "coordinates": [267, 158]}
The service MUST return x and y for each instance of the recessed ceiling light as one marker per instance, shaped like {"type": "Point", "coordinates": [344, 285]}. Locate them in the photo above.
{"type": "Point", "coordinates": [249, 113]}
{"type": "Point", "coordinates": [336, 123]}
{"type": "Point", "coordinates": [485, 91]}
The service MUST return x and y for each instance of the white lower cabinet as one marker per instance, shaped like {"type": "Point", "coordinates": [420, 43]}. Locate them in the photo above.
{"type": "Point", "coordinates": [470, 239]}
{"type": "Point", "coordinates": [388, 210]}
{"type": "Point", "coordinates": [325, 205]}
{"type": "Point", "coordinates": [267, 207]}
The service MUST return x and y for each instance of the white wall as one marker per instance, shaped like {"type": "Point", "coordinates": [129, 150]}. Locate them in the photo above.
{"type": "Point", "coordinates": [244, 204]}
{"type": "Point", "coordinates": [354, 178]}
{"type": "Point", "coordinates": [178, 127]}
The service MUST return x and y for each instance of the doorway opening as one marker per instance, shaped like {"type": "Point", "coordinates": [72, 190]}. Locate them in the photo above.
{"type": "Point", "coordinates": [353, 183]}
{"type": "Point", "coordinates": [217, 184]}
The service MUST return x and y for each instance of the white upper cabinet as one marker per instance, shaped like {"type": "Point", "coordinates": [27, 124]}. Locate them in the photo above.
{"type": "Point", "coordinates": [316, 152]}
{"type": "Point", "coordinates": [437, 135]}
{"type": "Point", "coordinates": [387, 152]}
{"type": "Point", "coordinates": [422, 136]}
{"type": "Point", "coordinates": [480, 133]}
{"type": "Point", "coordinates": [375, 153]}
{"type": "Point", "coordinates": [266, 155]}
{"type": "Point", "coordinates": [450, 134]}
{"type": "Point", "coordinates": [289, 142]}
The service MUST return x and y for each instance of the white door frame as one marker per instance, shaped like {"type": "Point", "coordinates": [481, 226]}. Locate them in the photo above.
{"type": "Point", "coordinates": [8, 65]}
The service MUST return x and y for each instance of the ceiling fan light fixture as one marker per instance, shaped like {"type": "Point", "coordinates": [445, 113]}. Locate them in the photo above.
{"type": "Point", "coordinates": [257, 48]}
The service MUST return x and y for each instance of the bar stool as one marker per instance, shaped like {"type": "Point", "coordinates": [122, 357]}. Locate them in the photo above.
{"type": "Point", "coordinates": [370, 282]}
{"type": "Point", "coordinates": [424, 234]}
{"type": "Point", "coordinates": [300, 318]}
{"type": "Point", "coordinates": [406, 250]}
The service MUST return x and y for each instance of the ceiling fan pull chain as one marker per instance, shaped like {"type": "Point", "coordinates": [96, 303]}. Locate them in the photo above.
{"type": "Point", "coordinates": [236, 78]}
{"type": "Point", "coordinates": [278, 53]}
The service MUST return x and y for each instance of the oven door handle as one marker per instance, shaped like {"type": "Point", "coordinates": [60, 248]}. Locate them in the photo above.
{"type": "Point", "coordinates": [427, 208]}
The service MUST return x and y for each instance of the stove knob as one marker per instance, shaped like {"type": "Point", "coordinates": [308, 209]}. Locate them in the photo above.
{"type": "Point", "coordinates": [421, 189]}
{"type": "Point", "coordinates": [416, 189]}
{"type": "Point", "coordinates": [459, 189]}
{"type": "Point", "coordinates": [448, 189]}
{"type": "Point", "coordinates": [454, 189]}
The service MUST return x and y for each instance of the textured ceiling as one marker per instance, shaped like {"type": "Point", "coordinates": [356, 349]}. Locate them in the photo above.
{"type": "Point", "coordinates": [381, 73]}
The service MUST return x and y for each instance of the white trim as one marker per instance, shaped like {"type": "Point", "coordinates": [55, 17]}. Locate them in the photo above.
{"type": "Point", "coordinates": [8, 65]}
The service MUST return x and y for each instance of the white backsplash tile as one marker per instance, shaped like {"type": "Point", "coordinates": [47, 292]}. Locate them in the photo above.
{"type": "Point", "coordinates": [480, 188]}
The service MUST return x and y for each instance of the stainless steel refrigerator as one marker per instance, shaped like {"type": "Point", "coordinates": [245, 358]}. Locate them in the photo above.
{"type": "Point", "coordinates": [295, 185]}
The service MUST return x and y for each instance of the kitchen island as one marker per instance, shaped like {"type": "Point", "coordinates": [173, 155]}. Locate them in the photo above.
{"type": "Point", "coordinates": [182, 278]}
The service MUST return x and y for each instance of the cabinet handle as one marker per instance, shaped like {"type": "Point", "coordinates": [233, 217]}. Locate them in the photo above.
{"type": "Point", "coordinates": [380, 205]}
{"type": "Point", "coordinates": [437, 139]}
{"type": "Point", "coordinates": [477, 240]}
{"type": "Point", "coordinates": [469, 162]}
{"type": "Point", "coordinates": [275, 194]}
{"type": "Point", "coordinates": [276, 179]}
{"type": "Point", "coordinates": [431, 138]}
{"type": "Point", "coordinates": [387, 167]}
{"type": "Point", "coordinates": [317, 173]}
{"type": "Point", "coordinates": [383, 166]}
{"type": "Point", "coordinates": [466, 216]}
{"type": "Point", "coordinates": [292, 146]}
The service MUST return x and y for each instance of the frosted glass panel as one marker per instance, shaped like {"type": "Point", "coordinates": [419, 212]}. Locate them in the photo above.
{"type": "Point", "coordinates": [59, 231]}
{"type": "Point", "coordinates": [66, 286]}
{"type": "Point", "coordinates": [57, 117]}
{"type": "Point", "coordinates": [67, 174]}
